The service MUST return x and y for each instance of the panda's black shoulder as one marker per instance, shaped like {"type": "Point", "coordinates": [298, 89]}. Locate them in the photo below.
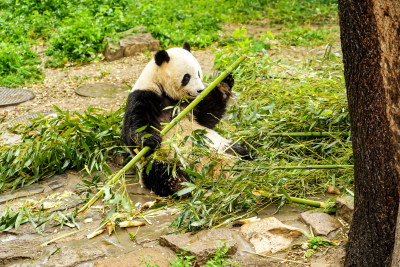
{"type": "Point", "coordinates": [149, 100]}
{"type": "Point", "coordinates": [144, 98]}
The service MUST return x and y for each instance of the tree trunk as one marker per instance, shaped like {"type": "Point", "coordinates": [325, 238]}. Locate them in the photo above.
{"type": "Point", "coordinates": [396, 249]}
{"type": "Point", "coordinates": [370, 37]}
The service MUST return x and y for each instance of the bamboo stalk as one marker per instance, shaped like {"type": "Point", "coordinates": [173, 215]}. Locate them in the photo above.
{"type": "Point", "coordinates": [146, 149]}
{"type": "Point", "coordinates": [311, 203]}
{"type": "Point", "coordinates": [292, 167]}
{"type": "Point", "coordinates": [308, 134]}
{"type": "Point", "coordinates": [311, 167]}
{"type": "Point", "coordinates": [62, 236]}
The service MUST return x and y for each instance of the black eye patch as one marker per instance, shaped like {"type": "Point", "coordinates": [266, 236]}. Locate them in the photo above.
{"type": "Point", "coordinates": [186, 79]}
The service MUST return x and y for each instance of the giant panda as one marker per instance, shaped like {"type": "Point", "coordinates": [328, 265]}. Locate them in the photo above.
{"type": "Point", "coordinates": [172, 79]}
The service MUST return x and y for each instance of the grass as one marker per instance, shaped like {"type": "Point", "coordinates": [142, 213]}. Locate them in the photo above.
{"type": "Point", "coordinates": [276, 94]}
{"type": "Point", "coordinates": [75, 31]}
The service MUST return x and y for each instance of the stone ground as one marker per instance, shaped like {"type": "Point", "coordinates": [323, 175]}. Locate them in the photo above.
{"type": "Point", "coordinates": [270, 235]}
{"type": "Point", "coordinates": [273, 233]}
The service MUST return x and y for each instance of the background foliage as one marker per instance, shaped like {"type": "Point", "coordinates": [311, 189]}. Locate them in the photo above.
{"type": "Point", "coordinates": [75, 31]}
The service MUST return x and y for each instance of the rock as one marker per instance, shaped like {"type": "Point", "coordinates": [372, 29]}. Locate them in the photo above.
{"type": "Point", "coordinates": [139, 42]}
{"type": "Point", "coordinates": [200, 245]}
{"type": "Point", "coordinates": [23, 192]}
{"type": "Point", "coordinates": [68, 255]}
{"type": "Point", "coordinates": [269, 235]}
{"type": "Point", "coordinates": [129, 45]}
{"type": "Point", "coordinates": [321, 223]}
{"type": "Point", "coordinates": [333, 257]}
{"type": "Point", "coordinates": [57, 181]}
{"type": "Point", "coordinates": [113, 52]}
{"type": "Point", "coordinates": [345, 208]}
{"type": "Point", "coordinates": [136, 258]}
{"type": "Point", "coordinates": [19, 250]}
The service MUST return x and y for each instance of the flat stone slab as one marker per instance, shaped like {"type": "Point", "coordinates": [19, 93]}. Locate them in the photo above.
{"type": "Point", "coordinates": [136, 258]}
{"type": "Point", "coordinates": [130, 45]}
{"type": "Point", "coordinates": [321, 223]}
{"type": "Point", "coordinates": [202, 244]}
{"type": "Point", "coordinates": [25, 119]}
{"type": "Point", "coordinates": [70, 256]}
{"type": "Point", "coordinates": [269, 235]}
{"type": "Point", "coordinates": [108, 90]}
{"type": "Point", "coordinates": [19, 250]}
{"type": "Point", "coordinates": [23, 192]}
{"type": "Point", "coordinates": [345, 208]}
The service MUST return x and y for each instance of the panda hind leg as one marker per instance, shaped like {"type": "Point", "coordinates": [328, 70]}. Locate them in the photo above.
{"type": "Point", "coordinates": [160, 179]}
{"type": "Point", "coordinates": [236, 149]}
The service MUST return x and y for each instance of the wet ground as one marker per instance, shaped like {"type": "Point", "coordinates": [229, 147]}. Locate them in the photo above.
{"type": "Point", "coordinates": [27, 247]}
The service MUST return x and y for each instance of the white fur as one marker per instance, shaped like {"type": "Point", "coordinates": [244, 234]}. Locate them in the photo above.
{"type": "Point", "coordinates": [170, 75]}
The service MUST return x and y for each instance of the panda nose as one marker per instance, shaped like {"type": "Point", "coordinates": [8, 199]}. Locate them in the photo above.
{"type": "Point", "coordinates": [199, 91]}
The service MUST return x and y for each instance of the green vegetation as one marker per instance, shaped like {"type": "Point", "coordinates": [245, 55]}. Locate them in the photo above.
{"type": "Point", "coordinates": [75, 31]}
{"type": "Point", "coordinates": [53, 145]}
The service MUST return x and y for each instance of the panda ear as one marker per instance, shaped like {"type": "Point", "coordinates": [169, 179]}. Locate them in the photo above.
{"type": "Point", "coordinates": [161, 56]}
{"type": "Point", "coordinates": [186, 46]}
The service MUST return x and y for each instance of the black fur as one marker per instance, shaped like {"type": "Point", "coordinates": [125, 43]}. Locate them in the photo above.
{"type": "Point", "coordinates": [161, 181]}
{"type": "Point", "coordinates": [142, 109]}
{"type": "Point", "coordinates": [239, 151]}
{"type": "Point", "coordinates": [186, 46]}
{"type": "Point", "coordinates": [161, 57]}
{"type": "Point", "coordinates": [146, 108]}
{"type": "Point", "coordinates": [211, 109]}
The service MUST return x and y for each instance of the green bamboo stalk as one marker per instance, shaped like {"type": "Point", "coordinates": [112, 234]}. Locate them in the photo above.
{"type": "Point", "coordinates": [289, 167]}
{"type": "Point", "coordinates": [146, 149]}
{"type": "Point", "coordinates": [308, 134]}
{"type": "Point", "coordinates": [311, 203]}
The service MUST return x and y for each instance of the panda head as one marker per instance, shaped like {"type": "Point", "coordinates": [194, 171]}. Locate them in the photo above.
{"type": "Point", "coordinates": [175, 72]}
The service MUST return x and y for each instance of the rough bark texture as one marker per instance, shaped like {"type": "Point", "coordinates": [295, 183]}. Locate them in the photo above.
{"type": "Point", "coordinates": [370, 37]}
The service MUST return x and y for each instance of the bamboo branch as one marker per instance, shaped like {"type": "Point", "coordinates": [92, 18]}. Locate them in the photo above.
{"type": "Point", "coordinates": [146, 149]}
{"type": "Point", "coordinates": [308, 134]}
{"type": "Point", "coordinates": [311, 203]}
{"type": "Point", "coordinates": [311, 167]}
{"type": "Point", "coordinates": [294, 167]}
{"type": "Point", "coordinates": [62, 236]}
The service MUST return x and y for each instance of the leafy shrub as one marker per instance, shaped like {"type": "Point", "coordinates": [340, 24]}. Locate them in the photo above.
{"type": "Point", "coordinates": [18, 65]}
{"type": "Point", "coordinates": [79, 39]}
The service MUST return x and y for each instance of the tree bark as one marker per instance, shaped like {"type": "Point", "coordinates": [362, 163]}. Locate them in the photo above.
{"type": "Point", "coordinates": [370, 38]}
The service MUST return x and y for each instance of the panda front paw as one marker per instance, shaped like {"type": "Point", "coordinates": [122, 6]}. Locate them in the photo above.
{"type": "Point", "coordinates": [152, 141]}
{"type": "Point", "coordinates": [225, 87]}
{"type": "Point", "coordinates": [229, 81]}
